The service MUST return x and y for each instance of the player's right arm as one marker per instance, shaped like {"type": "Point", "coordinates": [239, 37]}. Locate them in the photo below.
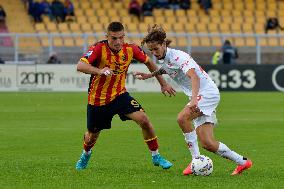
{"type": "Point", "coordinates": [89, 69]}
{"type": "Point", "coordinates": [87, 62]}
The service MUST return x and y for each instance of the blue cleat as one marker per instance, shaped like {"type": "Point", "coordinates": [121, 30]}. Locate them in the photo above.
{"type": "Point", "coordinates": [83, 161]}
{"type": "Point", "coordinates": [158, 160]}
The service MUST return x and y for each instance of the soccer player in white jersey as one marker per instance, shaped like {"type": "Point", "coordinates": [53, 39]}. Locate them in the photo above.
{"type": "Point", "coordinates": [204, 98]}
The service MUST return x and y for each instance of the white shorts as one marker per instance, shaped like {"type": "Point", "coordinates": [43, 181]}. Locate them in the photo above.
{"type": "Point", "coordinates": [207, 105]}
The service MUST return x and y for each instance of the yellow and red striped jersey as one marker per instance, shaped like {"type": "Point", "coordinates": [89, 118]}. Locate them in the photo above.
{"type": "Point", "coordinates": [104, 89]}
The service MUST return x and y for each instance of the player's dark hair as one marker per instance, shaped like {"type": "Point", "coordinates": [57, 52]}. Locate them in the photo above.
{"type": "Point", "coordinates": [115, 27]}
{"type": "Point", "coordinates": [156, 34]}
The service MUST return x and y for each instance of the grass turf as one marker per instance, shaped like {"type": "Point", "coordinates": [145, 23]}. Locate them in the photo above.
{"type": "Point", "coordinates": [41, 139]}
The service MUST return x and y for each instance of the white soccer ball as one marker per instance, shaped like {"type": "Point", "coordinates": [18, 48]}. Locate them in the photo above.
{"type": "Point", "coordinates": [202, 165]}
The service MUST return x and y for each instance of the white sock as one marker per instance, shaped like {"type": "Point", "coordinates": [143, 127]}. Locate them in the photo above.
{"type": "Point", "coordinates": [191, 140]}
{"type": "Point", "coordinates": [226, 152]}
{"type": "Point", "coordinates": [155, 152]}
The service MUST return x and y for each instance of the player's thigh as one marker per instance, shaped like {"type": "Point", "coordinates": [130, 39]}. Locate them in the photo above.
{"type": "Point", "coordinates": [128, 108]}
{"type": "Point", "coordinates": [139, 117]}
{"type": "Point", "coordinates": [188, 114]}
{"type": "Point", "coordinates": [98, 118]}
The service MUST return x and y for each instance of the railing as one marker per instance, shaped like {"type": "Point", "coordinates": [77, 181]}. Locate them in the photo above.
{"type": "Point", "coordinates": [189, 36]}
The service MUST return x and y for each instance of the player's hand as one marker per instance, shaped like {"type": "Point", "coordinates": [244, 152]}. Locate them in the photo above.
{"type": "Point", "coordinates": [142, 76]}
{"type": "Point", "coordinates": [168, 90]}
{"type": "Point", "coordinates": [106, 71]}
{"type": "Point", "coordinates": [194, 111]}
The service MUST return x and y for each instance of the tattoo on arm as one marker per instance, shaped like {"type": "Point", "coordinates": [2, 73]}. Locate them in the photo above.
{"type": "Point", "coordinates": [161, 71]}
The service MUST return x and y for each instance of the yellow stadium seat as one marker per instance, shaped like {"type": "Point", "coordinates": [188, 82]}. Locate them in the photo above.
{"type": "Point", "coordinates": [214, 13]}
{"type": "Point", "coordinates": [93, 20]}
{"type": "Point", "coordinates": [63, 27]}
{"type": "Point", "coordinates": [98, 28]}
{"type": "Point", "coordinates": [205, 41]}
{"type": "Point", "coordinates": [182, 20]}
{"type": "Point", "coordinates": [258, 28]}
{"type": "Point", "coordinates": [263, 42]}
{"type": "Point", "coordinates": [249, 6]}
{"type": "Point", "coordinates": [182, 42]}
{"type": "Point", "coordinates": [40, 27]}
{"type": "Point", "coordinates": [216, 20]}
{"type": "Point", "coordinates": [237, 13]}
{"type": "Point", "coordinates": [131, 27]}
{"type": "Point", "coordinates": [100, 12]}
{"type": "Point", "coordinates": [190, 28]}
{"type": "Point", "coordinates": [239, 41]}
{"type": "Point", "coordinates": [160, 20]}
{"type": "Point", "coordinates": [247, 28]}
{"type": "Point", "coordinates": [87, 28]}
{"type": "Point", "coordinates": [227, 20]}
{"type": "Point", "coordinates": [143, 27]}
{"type": "Point", "coordinates": [123, 13]}
{"type": "Point", "coordinates": [178, 28]}
{"type": "Point", "coordinates": [167, 27]}
{"type": "Point", "coordinates": [228, 6]}
{"type": "Point", "coordinates": [57, 42]}
{"type": "Point", "coordinates": [261, 6]}
{"type": "Point", "coordinates": [271, 13]}
{"type": "Point", "coordinates": [216, 41]}
{"type": "Point", "coordinates": [195, 41]}
{"type": "Point", "coordinates": [80, 12]}
{"type": "Point", "coordinates": [180, 13]}
{"type": "Point", "coordinates": [238, 6]}
{"type": "Point", "coordinates": [224, 28]}
{"type": "Point", "coordinates": [118, 5]}
{"type": "Point", "coordinates": [158, 12]}
{"type": "Point", "coordinates": [112, 13]}
{"type": "Point", "coordinates": [81, 19]}
{"type": "Point", "coordinates": [226, 14]}
{"type": "Point", "coordinates": [248, 14]}
{"type": "Point", "coordinates": [89, 12]}
{"type": "Point", "coordinates": [104, 19]}
{"type": "Point", "coordinates": [236, 28]}
{"type": "Point", "coordinates": [51, 27]}
{"type": "Point", "coordinates": [205, 20]}
{"type": "Point", "coordinates": [78, 41]}
{"type": "Point", "coordinates": [68, 41]}
{"type": "Point", "coordinates": [238, 20]}
{"type": "Point", "coordinates": [173, 41]}
{"type": "Point", "coordinates": [75, 27]}
{"type": "Point", "coordinates": [149, 20]}
{"type": "Point", "coordinates": [172, 20]}
{"type": "Point", "coordinates": [169, 13]}
{"type": "Point", "coordinates": [107, 5]}
{"type": "Point", "coordinates": [126, 20]}
{"type": "Point", "coordinates": [193, 20]}
{"type": "Point", "coordinates": [213, 28]}
{"type": "Point", "coordinates": [85, 5]}
{"type": "Point", "coordinates": [273, 41]}
{"type": "Point", "coordinates": [201, 28]}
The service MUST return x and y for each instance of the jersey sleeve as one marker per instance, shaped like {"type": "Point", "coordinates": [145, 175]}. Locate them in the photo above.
{"type": "Point", "coordinates": [92, 54]}
{"type": "Point", "coordinates": [139, 54]}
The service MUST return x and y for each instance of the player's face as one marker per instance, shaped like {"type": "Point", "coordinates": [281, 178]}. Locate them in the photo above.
{"type": "Point", "coordinates": [158, 50]}
{"type": "Point", "coordinates": [115, 40]}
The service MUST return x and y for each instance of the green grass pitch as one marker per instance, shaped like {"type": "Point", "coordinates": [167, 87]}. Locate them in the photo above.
{"type": "Point", "coordinates": [41, 139]}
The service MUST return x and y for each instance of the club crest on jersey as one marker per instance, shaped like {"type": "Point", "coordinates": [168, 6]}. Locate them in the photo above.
{"type": "Point", "coordinates": [123, 58]}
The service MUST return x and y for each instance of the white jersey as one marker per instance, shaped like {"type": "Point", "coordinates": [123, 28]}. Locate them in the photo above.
{"type": "Point", "coordinates": [176, 64]}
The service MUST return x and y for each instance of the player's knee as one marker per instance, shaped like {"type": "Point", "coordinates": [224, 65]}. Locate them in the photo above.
{"type": "Point", "coordinates": [181, 119]}
{"type": "Point", "coordinates": [144, 121]}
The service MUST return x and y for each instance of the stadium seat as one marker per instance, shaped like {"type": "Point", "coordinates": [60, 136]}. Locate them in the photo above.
{"type": "Point", "coordinates": [63, 27]}
{"type": "Point", "coordinates": [75, 27]}
{"type": "Point", "coordinates": [87, 28]}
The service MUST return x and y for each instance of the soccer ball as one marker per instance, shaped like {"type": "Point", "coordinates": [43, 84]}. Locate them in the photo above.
{"type": "Point", "coordinates": [202, 165]}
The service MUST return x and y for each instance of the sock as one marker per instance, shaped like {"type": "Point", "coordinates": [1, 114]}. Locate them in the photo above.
{"type": "Point", "coordinates": [226, 152]}
{"type": "Point", "coordinates": [88, 148]}
{"type": "Point", "coordinates": [191, 141]}
{"type": "Point", "coordinates": [153, 145]}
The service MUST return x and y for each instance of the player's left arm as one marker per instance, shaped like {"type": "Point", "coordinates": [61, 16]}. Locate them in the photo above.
{"type": "Point", "coordinates": [195, 85]}
{"type": "Point", "coordinates": [155, 71]}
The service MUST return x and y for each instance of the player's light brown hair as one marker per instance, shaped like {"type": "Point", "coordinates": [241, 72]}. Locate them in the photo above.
{"type": "Point", "coordinates": [115, 27]}
{"type": "Point", "coordinates": [156, 34]}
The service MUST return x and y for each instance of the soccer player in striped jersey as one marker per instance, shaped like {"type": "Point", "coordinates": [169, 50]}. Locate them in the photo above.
{"type": "Point", "coordinates": [204, 98]}
{"type": "Point", "coordinates": [107, 62]}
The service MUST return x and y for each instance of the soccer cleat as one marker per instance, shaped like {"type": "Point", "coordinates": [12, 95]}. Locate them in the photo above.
{"type": "Point", "coordinates": [83, 161]}
{"type": "Point", "coordinates": [188, 170]}
{"type": "Point", "coordinates": [160, 161]}
{"type": "Point", "coordinates": [241, 168]}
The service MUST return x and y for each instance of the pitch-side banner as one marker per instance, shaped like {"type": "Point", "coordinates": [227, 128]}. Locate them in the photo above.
{"type": "Point", "coordinates": [66, 78]}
